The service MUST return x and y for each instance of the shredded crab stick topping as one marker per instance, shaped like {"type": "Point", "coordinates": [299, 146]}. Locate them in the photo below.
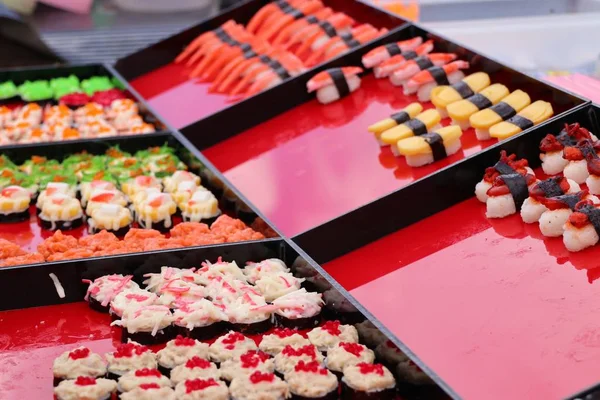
{"type": "Point", "coordinates": [324, 78]}
{"type": "Point", "coordinates": [383, 53]}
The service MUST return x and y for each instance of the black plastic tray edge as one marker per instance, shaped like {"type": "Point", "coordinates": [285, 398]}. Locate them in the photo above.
{"type": "Point", "coordinates": [352, 230]}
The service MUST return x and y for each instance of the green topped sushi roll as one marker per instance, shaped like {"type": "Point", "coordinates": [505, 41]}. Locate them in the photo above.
{"type": "Point", "coordinates": [10, 176]}
{"type": "Point", "coordinates": [96, 84]}
{"type": "Point", "coordinates": [64, 86]}
{"type": "Point", "coordinates": [91, 165]}
{"type": "Point", "coordinates": [155, 152]}
{"type": "Point", "coordinates": [8, 91]}
{"type": "Point", "coordinates": [116, 152]}
{"type": "Point", "coordinates": [6, 162]}
{"type": "Point", "coordinates": [36, 91]}
{"type": "Point", "coordinates": [31, 165]}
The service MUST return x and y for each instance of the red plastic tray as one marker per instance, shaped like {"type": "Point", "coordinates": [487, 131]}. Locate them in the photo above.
{"type": "Point", "coordinates": [317, 162]}
{"type": "Point", "coordinates": [497, 310]}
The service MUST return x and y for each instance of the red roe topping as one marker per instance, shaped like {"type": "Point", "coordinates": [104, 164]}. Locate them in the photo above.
{"type": "Point", "coordinates": [308, 350]}
{"type": "Point", "coordinates": [192, 385]}
{"type": "Point", "coordinates": [129, 350]}
{"type": "Point", "coordinates": [312, 367]}
{"type": "Point", "coordinates": [258, 377]}
{"type": "Point", "coordinates": [85, 381]}
{"type": "Point", "coordinates": [284, 332]}
{"type": "Point", "coordinates": [332, 327]}
{"type": "Point", "coordinates": [75, 99]}
{"type": "Point", "coordinates": [197, 362]}
{"type": "Point", "coordinates": [79, 353]}
{"type": "Point", "coordinates": [183, 341]}
{"type": "Point", "coordinates": [148, 372]}
{"type": "Point", "coordinates": [106, 97]}
{"type": "Point", "coordinates": [352, 348]}
{"type": "Point", "coordinates": [146, 386]}
{"type": "Point", "coordinates": [366, 368]}
{"type": "Point", "coordinates": [230, 340]}
{"type": "Point", "coordinates": [252, 358]}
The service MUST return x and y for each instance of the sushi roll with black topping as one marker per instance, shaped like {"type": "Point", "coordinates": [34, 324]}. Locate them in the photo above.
{"type": "Point", "coordinates": [533, 208]}
{"type": "Point", "coordinates": [202, 389]}
{"type": "Point", "coordinates": [178, 351]}
{"type": "Point", "coordinates": [194, 368]}
{"type": "Point", "coordinates": [201, 320]}
{"type": "Point", "coordinates": [85, 387]}
{"type": "Point", "coordinates": [14, 204]}
{"type": "Point", "coordinates": [309, 380]}
{"type": "Point", "coordinates": [389, 354]}
{"type": "Point", "coordinates": [259, 385]}
{"type": "Point", "coordinates": [368, 381]}
{"type": "Point", "coordinates": [77, 363]}
{"type": "Point", "coordinates": [147, 325]}
{"type": "Point", "coordinates": [299, 309]}
{"type": "Point", "coordinates": [61, 212]}
{"type": "Point", "coordinates": [140, 377]}
{"type": "Point", "coordinates": [334, 83]}
{"type": "Point", "coordinates": [275, 342]}
{"type": "Point", "coordinates": [129, 357]}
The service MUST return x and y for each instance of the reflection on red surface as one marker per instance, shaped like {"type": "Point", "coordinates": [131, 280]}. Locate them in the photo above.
{"type": "Point", "coordinates": [493, 307]}
{"type": "Point", "coordinates": [317, 162]}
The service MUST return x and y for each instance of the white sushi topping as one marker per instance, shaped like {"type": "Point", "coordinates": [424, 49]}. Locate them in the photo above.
{"type": "Point", "coordinates": [299, 304]}
{"type": "Point", "coordinates": [186, 186]}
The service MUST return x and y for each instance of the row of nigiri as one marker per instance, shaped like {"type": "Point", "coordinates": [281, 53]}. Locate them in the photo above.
{"type": "Point", "coordinates": [558, 204]}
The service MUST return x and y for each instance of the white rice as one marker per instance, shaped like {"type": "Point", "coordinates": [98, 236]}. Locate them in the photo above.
{"type": "Point", "coordinates": [482, 134]}
{"type": "Point", "coordinates": [397, 81]}
{"type": "Point", "coordinates": [573, 186]}
{"type": "Point", "coordinates": [443, 112]}
{"type": "Point", "coordinates": [329, 93]}
{"type": "Point", "coordinates": [464, 125]}
{"type": "Point", "coordinates": [578, 239]}
{"type": "Point", "coordinates": [481, 190]}
{"type": "Point", "coordinates": [424, 91]}
{"type": "Point", "coordinates": [553, 162]}
{"type": "Point", "coordinates": [577, 171]}
{"type": "Point", "coordinates": [552, 221]}
{"type": "Point", "coordinates": [500, 206]}
{"type": "Point", "coordinates": [593, 184]}
{"type": "Point", "coordinates": [424, 159]}
{"type": "Point", "coordinates": [532, 210]}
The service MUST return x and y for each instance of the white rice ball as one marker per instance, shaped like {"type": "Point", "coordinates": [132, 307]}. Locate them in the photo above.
{"type": "Point", "coordinates": [576, 239]}
{"type": "Point", "coordinates": [593, 184]}
{"type": "Point", "coordinates": [481, 190]}
{"type": "Point", "coordinates": [464, 125]}
{"type": "Point", "coordinates": [553, 162]}
{"type": "Point", "coordinates": [552, 221]}
{"type": "Point", "coordinates": [482, 134]}
{"type": "Point", "coordinates": [573, 186]}
{"type": "Point", "coordinates": [532, 210]}
{"type": "Point", "coordinates": [577, 171]}
{"type": "Point", "coordinates": [500, 206]}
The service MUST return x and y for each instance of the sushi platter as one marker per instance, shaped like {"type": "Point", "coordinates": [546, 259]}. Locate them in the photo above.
{"type": "Point", "coordinates": [179, 264]}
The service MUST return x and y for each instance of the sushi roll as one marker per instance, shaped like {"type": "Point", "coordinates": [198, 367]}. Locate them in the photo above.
{"type": "Point", "coordinates": [334, 83]}
{"type": "Point", "coordinates": [200, 320]}
{"type": "Point", "coordinates": [275, 285]}
{"type": "Point", "coordinates": [533, 114]}
{"type": "Point", "coordinates": [460, 111]}
{"type": "Point", "coordinates": [484, 119]}
{"type": "Point", "coordinates": [366, 381]}
{"type": "Point", "coordinates": [406, 114]}
{"type": "Point", "coordinates": [87, 188]}
{"type": "Point", "coordinates": [312, 381]}
{"type": "Point", "coordinates": [552, 147]}
{"type": "Point", "coordinates": [255, 271]}
{"type": "Point", "coordinates": [389, 354]}
{"type": "Point", "coordinates": [155, 281]}
{"type": "Point", "coordinates": [31, 113]}
{"type": "Point", "coordinates": [275, 342]}
{"type": "Point", "coordinates": [53, 188]}
{"type": "Point", "coordinates": [150, 391]}
{"type": "Point", "coordinates": [78, 362]}
{"type": "Point", "coordinates": [146, 325]}
{"type": "Point", "coordinates": [178, 351]}
{"type": "Point", "coordinates": [220, 269]}
{"type": "Point", "coordinates": [84, 387]}
{"type": "Point", "coordinates": [194, 368]}
{"type": "Point", "coordinates": [100, 197]}
{"type": "Point", "coordinates": [559, 208]}
{"type": "Point", "coordinates": [180, 293]}
{"type": "Point", "coordinates": [369, 334]}
{"type": "Point", "coordinates": [184, 192]}
{"type": "Point", "coordinates": [172, 183]}
{"type": "Point", "coordinates": [506, 165]}
{"type": "Point", "coordinates": [423, 82]}
{"type": "Point", "coordinates": [331, 333]}
{"type": "Point", "coordinates": [246, 364]}
{"type": "Point", "coordinates": [14, 204]}
{"type": "Point", "coordinates": [112, 218]}
{"type": "Point", "coordinates": [103, 290]}
{"type": "Point", "coordinates": [299, 309]}
{"type": "Point", "coordinates": [409, 372]}
{"type": "Point", "coordinates": [156, 212]}
{"type": "Point", "coordinates": [441, 96]}
{"type": "Point", "coordinates": [259, 385]}
{"type": "Point", "coordinates": [533, 208]}
{"type": "Point", "coordinates": [424, 122]}
{"type": "Point", "coordinates": [431, 147]}
{"type": "Point", "coordinates": [229, 346]}
{"type": "Point", "coordinates": [202, 206]}
{"type": "Point", "coordinates": [292, 355]}
{"type": "Point", "coordinates": [507, 194]}
{"type": "Point", "coordinates": [129, 357]}
{"type": "Point", "coordinates": [250, 313]}
{"type": "Point", "coordinates": [346, 354]}
{"type": "Point", "coordinates": [382, 53]}
{"type": "Point", "coordinates": [141, 377]}
{"type": "Point", "coordinates": [385, 68]}
{"type": "Point", "coordinates": [583, 227]}
{"type": "Point", "coordinates": [130, 299]}
{"type": "Point", "coordinates": [577, 168]}
{"type": "Point", "coordinates": [202, 389]}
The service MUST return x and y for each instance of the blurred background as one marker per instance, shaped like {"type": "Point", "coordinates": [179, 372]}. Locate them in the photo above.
{"type": "Point", "coordinates": [554, 39]}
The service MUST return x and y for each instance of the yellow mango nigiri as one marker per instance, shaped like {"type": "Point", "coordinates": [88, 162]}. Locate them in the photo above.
{"type": "Point", "coordinates": [441, 96]}
{"type": "Point", "coordinates": [407, 113]}
{"type": "Point", "coordinates": [460, 111]}
{"type": "Point", "coordinates": [421, 124]}
{"type": "Point", "coordinates": [531, 115]}
{"type": "Point", "coordinates": [433, 146]}
{"type": "Point", "coordinates": [483, 120]}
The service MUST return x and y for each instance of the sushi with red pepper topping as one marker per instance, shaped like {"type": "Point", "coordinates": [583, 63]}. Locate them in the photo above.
{"type": "Point", "coordinates": [552, 147]}
{"type": "Point", "coordinates": [577, 156]}
{"type": "Point", "coordinates": [559, 209]}
{"type": "Point", "coordinates": [368, 381]}
{"type": "Point", "coordinates": [78, 363]}
{"type": "Point", "coordinates": [533, 208]}
{"type": "Point", "coordinates": [508, 164]}
{"type": "Point", "coordinates": [178, 351]}
{"type": "Point", "coordinates": [202, 389]}
{"type": "Point", "coordinates": [582, 229]}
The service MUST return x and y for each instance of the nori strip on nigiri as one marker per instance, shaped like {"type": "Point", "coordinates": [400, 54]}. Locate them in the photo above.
{"type": "Point", "coordinates": [551, 187]}
{"type": "Point", "coordinates": [435, 141]}
{"type": "Point", "coordinates": [522, 122]}
{"type": "Point", "coordinates": [504, 110]}
{"type": "Point", "coordinates": [480, 101]}
{"type": "Point", "coordinates": [439, 75]}
{"type": "Point", "coordinates": [416, 126]}
{"type": "Point", "coordinates": [339, 80]}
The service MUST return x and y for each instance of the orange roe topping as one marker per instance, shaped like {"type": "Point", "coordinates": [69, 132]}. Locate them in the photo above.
{"type": "Point", "coordinates": [148, 372]}
{"type": "Point", "coordinates": [231, 339]}
{"type": "Point", "coordinates": [352, 348]}
{"type": "Point", "coordinates": [252, 358]}
{"type": "Point", "coordinates": [146, 386]}
{"type": "Point", "coordinates": [192, 385]}
{"type": "Point", "coordinates": [197, 362]}
{"type": "Point", "coordinates": [79, 353]}
{"type": "Point", "coordinates": [129, 350]}
{"type": "Point", "coordinates": [284, 332]}
{"type": "Point", "coordinates": [308, 350]}
{"type": "Point", "coordinates": [85, 381]}
{"type": "Point", "coordinates": [332, 327]}
{"type": "Point", "coordinates": [313, 366]}
{"type": "Point", "coordinates": [183, 341]}
{"type": "Point", "coordinates": [259, 377]}
{"type": "Point", "coordinates": [366, 368]}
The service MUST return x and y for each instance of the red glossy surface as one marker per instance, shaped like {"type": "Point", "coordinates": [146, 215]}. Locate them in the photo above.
{"type": "Point", "coordinates": [317, 162]}
{"type": "Point", "coordinates": [492, 306]}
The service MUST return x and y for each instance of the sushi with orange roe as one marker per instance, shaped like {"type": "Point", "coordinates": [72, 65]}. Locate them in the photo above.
{"type": "Point", "coordinates": [335, 83]}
